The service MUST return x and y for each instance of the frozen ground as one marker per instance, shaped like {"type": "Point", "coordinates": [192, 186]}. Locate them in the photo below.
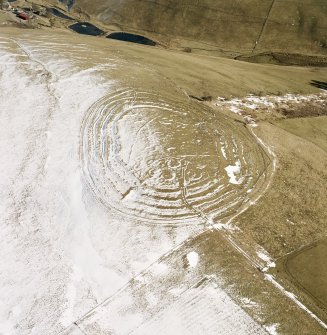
{"type": "Point", "coordinates": [64, 251]}
{"type": "Point", "coordinates": [197, 311]}
{"type": "Point", "coordinates": [99, 185]}
{"type": "Point", "coordinates": [56, 263]}
{"type": "Point", "coordinates": [204, 309]}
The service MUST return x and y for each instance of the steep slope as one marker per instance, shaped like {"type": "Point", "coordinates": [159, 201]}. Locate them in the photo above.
{"type": "Point", "coordinates": [240, 26]}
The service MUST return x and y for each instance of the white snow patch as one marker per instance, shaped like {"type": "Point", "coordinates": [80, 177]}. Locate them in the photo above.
{"type": "Point", "coordinates": [235, 109]}
{"type": "Point", "coordinates": [223, 151]}
{"type": "Point", "coordinates": [177, 291]}
{"type": "Point", "coordinates": [247, 302]}
{"type": "Point", "coordinates": [193, 259]}
{"type": "Point", "coordinates": [290, 222]}
{"type": "Point", "coordinates": [224, 226]}
{"type": "Point", "coordinates": [272, 330]}
{"type": "Point", "coordinates": [263, 255]}
{"type": "Point", "coordinates": [232, 171]}
{"type": "Point", "coordinates": [159, 269]}
{"type": "Point", "coordinates": [266, 258]}
{"type": "Point", "coordinates": [8, 323]}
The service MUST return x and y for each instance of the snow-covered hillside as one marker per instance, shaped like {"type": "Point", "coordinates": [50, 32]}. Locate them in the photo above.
{"type": "Point", "coordinates": [62, 253]}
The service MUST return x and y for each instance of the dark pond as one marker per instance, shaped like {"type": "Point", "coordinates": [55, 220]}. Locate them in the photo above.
{"type": "Point", "coordinates": [58, 13]}
{"type": "Point", "coordinates": [86, 28]}
{"type": "Point", "coordinates": [319, 84]}
{"type": "Point", "coordinates": [131, 38]}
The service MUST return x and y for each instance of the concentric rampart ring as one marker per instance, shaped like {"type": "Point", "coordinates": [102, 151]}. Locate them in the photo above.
{"type": "Point", "coordinates": [169, 162]}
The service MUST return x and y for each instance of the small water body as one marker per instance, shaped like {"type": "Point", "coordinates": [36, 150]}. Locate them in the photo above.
{"type": "Point", "coordinates": [58, 13]}
{"type": "Point", "coordinates": [127, 37]}
{"type": "Point", "coordinates": [86, 28]}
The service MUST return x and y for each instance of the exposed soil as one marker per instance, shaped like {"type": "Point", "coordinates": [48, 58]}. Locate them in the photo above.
{"type": "Point", "coordinates": [279, 58]}
{"type": "Point", "coordinates": [304, 109]}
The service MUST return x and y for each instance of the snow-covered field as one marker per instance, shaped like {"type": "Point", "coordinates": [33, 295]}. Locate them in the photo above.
{"type": "Point", "coordinates": [203, 309]}
{"type": "Point", "coordinates": [196, 313]}
{"type": "Point", "coordinates": [62, 252]}
{"type": "Point", "coordinates": [98, 184]}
